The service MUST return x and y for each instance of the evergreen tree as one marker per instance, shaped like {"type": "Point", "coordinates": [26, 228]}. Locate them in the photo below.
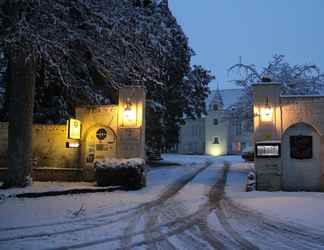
{"type": "Point", "coordinates": [86, 49]}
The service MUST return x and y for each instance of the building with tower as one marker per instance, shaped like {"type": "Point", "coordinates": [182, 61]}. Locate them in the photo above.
{"type": "Point", "coordinates": [217, 133]}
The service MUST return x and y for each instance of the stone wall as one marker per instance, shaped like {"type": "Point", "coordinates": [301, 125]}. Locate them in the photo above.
{"type": "Point", "coordinates": [287, 111]}
{"type": "Point", "coordinates": [307, 109]}
{"type": "Point", "coordinates": [106, 132]}
{"type": "Point", "coordinates": [92, 119]}
{"type": "Point", "coordinates": [51, 159]}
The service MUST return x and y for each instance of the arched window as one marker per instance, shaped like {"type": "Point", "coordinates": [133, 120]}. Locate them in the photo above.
{"type": "Point", "coordinates": [215, 107]}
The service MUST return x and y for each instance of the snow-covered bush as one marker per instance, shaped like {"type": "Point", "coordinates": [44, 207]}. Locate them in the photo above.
{"type": "Point", "coordinates": [128, 173]}
{"type": "Point", "coordinates": [248, 153]}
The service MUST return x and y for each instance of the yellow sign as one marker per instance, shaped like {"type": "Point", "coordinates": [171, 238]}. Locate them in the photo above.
{"type": "Point", "coordinates": [74, 129]}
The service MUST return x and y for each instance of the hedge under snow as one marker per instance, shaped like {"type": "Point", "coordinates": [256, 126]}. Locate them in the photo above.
{"type": "Point", "coordinates": [117, 163]}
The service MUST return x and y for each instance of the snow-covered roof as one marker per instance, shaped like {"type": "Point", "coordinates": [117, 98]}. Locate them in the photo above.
{"type": "Point", "coordinates": [229, 96]}
{"type": "Point", "coordinates": [301, 96]}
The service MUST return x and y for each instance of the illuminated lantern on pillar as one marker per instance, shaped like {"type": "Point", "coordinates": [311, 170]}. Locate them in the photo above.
{"type": "Point", "coordinates": [131, 107]}
{"type": "Point", "coordinates": [266, 112]}
{"type": "Point", "coordinates": [129, 113]}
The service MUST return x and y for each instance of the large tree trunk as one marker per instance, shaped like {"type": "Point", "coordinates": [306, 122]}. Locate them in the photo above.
{"type": "Point", "coordinates": [21, 102]}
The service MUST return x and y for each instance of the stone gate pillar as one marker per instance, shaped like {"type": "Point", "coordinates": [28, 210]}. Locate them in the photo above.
{"type": "Point", "coordinates": [267, 134]}
{"type": "Point", "coordinates": [131, 122]}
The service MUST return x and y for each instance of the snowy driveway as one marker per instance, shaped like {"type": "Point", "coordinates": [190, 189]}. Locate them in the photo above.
{"type": "Point", "coordinates": [183, 207]}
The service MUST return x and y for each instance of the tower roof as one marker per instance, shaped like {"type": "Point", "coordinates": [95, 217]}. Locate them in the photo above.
{"type": "Point", "coordinates": [227, 96]}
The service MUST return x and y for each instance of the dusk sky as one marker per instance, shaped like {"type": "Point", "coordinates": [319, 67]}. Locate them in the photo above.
{"type": "Point", "coordinates": [220, 31]}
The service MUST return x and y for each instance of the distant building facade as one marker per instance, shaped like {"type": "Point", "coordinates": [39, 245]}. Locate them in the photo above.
{"type": "Point", "coordinates": [217, 133]}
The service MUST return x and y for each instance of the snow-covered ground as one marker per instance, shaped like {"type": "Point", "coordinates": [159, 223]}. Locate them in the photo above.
{"type": "Point", "coordinates": [197, 205]}
{"type": "Point", "coordinates": [304, 208]}
{"type": "Point", "coordinates": [192, 159]}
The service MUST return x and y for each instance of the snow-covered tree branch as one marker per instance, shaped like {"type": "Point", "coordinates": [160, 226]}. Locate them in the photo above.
{"type": "Point", "coordinates": [295, 79]}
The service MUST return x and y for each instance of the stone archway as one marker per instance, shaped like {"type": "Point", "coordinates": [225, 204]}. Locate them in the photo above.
{"type": "Point", "coordinates": [99, 144]}
{"type": "Point", "coordinates": [301, 166]}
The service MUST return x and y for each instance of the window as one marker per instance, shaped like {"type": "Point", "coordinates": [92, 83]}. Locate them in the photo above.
{"type": "Point", "coordinates": [301, 147]}
{"type": "Point", "coordinates": [236, 146]}
{"type": "Point", "coordinates": [215, 121]}
{"type": "Point", "coordinates": [215, 107]}
{"type": "Point", "coordinates": [216, 140]}
{"type": "Point", "coordinates": [237, 127]}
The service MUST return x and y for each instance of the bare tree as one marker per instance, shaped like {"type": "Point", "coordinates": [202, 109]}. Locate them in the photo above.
{"type": "Point", "coordinates": [295, 79]}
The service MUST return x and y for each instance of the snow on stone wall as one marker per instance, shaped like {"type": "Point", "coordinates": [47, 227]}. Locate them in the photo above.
{"type": "Point", "coordinates": [49, 150]}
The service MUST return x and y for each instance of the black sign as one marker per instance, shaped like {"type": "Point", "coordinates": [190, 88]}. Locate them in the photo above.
{"type": "Point", "coordinates": [101, 134]}
{"type": "Point", "coordinates": [301, 147]}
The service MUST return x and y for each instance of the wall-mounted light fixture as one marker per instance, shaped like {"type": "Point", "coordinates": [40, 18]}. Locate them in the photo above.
{"type": "Point", "coordinates": [131, 107]}
{"type": "Point", "coordinates": [266, 112]}
{"type": "Point", "coordinates": [129, 113]}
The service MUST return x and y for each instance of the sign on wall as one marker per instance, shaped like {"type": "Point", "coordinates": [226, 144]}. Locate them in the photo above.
{"type": "Point", "coordinates": [267, 150]}
{"type": "Point", "coordinates": [101, 134]}
{"type": "Point", "coordinates": [74, 129]}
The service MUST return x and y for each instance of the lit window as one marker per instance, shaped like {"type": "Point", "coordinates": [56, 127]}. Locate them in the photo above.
{"type": "Point", "coordinates": [216, 140]}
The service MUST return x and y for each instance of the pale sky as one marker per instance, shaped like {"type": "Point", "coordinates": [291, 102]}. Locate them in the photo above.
{"type": "Point", "coordinates": [220, 31]}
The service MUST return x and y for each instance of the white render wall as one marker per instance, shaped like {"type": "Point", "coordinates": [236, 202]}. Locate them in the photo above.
{"type": "Point", "coordinates": [221, 131]}
{"type": "Point", "coordinates": [192, 137]}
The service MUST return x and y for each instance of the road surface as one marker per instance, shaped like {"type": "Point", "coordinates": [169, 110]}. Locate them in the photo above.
{"type": "Point", "coordinates": [191, 212]}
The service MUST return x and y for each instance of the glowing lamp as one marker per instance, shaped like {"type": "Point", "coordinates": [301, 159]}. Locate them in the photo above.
{"type": "Point", "coordinates": [74, 129]}
{"type": "Point", "coordinates": [129, 114]}
{"type": "Point", "coordinates": [266, 112]}
{"type": "Point", "coordinates": [131, 107]}
{"type": "Point", "coordinates": [215, 151]}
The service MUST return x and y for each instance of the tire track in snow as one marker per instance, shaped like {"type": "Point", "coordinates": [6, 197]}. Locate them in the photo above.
{"type": "Point", "coordinates": [293, 237]}
{"type": "Point", "coordinates": [194, 232]}
{"type": "Point", "coordinates": [96, 220]}
{"type": "Point", "coordinates": [171, 191]}
{"type": "Point", "coordinates": [217, 194]}
{"type": "Point", "coordinates": [68, 222]}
